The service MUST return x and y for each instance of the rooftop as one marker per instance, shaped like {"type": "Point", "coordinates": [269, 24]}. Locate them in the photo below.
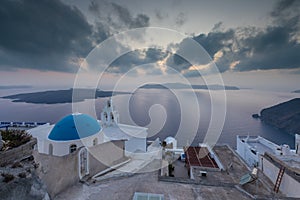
{"type": "Point", "coordinates": [125, 187]}
{"type": "Point", "coordinates": [199, 156]}
{"type": "Point", "coordinates": [260, 144]}
{"type": "Point", "coordinates": [41, 132]}
{"type": "Point", "coordinates": [292, 161]}
{"type": "Point", "coordinates": [259, 147]}
{"type": "Point", "coordinates": [122, 131]}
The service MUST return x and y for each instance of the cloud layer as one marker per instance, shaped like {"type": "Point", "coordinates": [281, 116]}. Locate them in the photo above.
{"type": "Point", "coordinates": [50, 35]}
{"type": "Point", "coordinates": [45, 35]}
{"type": "Point", "coordinates": [274, 47]}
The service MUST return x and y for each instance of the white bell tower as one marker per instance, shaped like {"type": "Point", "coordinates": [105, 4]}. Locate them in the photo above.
{"type": "Point", "coordinates": [109, 117]}
{"type": "Point", "coordinates": [297, 144]}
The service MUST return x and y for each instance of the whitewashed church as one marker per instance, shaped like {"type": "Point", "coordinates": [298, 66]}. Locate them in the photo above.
{"type": "Point", "coordinates": [80, 146]}
{"type": "Point", "coordinates": [77, 130]}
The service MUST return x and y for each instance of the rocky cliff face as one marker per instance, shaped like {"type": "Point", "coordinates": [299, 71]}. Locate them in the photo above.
{"type": "Point", "coordinates": [30, 188]}
{"type": "Point", "coordinates": [19, 181]}
{"type": "Point", "coordinates": [284, 116]}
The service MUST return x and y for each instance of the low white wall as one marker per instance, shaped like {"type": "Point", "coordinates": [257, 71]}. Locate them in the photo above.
{"type": "Point", "coordinates": [289, 186]}
{"type": "Point", "coordinates": [135, 144]}
{"type": "Point", "coordinates": [243, 149]}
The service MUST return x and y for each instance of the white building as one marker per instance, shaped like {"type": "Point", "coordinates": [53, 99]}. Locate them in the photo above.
{"type": "Point", "coordinates": [80, 146]}
{"type": "Point", "coordinates": [251, 148]}
{"type": "Point", "coordinates": [171, 142]}
{"type": "Point", "coordinates": [134, 136]}
{"type": "Point", "coordinates": [77, 130]}
{"type": "Point", "coordinates": [278, 162]}
{"type": "Point", "coordinates": [69, 134]}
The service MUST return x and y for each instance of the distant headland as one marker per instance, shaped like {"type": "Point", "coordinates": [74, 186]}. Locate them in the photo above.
{"type": "Point", "coordinates": [186, 86]}
{"type": "Point", "coordinates": [60, 96]}
{"type": "Point", "coordinates": [284, 116]}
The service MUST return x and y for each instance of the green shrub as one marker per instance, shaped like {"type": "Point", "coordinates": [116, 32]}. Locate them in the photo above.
{"type": "Point", "coordinates": [22, 175]}
{"type": "Point", "coordinates": [8, 177]}
{"type": "Point", "coordinates": [15, 137]}
{"type": "Point", "coordinates": [16, 165]}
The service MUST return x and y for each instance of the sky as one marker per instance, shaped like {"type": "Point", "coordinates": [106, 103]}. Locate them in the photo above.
{"type": "Point", "coordinates": [252, 44]}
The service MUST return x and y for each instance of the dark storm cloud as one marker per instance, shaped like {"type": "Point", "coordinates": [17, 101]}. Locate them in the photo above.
{"type": "Point", "coordinates": [50, 35]}
{"type": "Point", "coordinates": [211, 43]}
{"type": "Point", "coordinates": [277, 46]}
{"type": "Point", "coordinates": [135, 58]}
{"type": "Point", "coordinates": [274, 47]}
{"type": "Point", "coordinates": [125, 16]}
{"type": "Point", "coordinates": [214, 41]}
{"type": "Point", "coordinates": [116, 17]}
{"type": "Point", "coordinates": [282, 6]}
{"type": "Point", "coordinates": [180, 19]}
{"type": "Point", "coordinates": [240, 49]}
{"type": "Point", "coordinates": [42, 34]}
{"type": "Point", "coordinates": [160, 15]}
{"type": "Point", "coordinates": [271, 49]}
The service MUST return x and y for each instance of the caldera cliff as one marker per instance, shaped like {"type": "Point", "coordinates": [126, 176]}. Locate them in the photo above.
{"type": "Point", "coordinates": [284, 116]}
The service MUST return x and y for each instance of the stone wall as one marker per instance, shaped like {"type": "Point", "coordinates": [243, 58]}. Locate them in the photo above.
{"type": "Point", "coordinates": [56, 172]}
{"type": "Point", "coordinates": [18, 153]}
{"type": "Point", "coordinates": [61, 172]}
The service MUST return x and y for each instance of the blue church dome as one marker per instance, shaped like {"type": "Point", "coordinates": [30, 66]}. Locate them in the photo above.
{"type": "Point", "coordinates": [74, 127]}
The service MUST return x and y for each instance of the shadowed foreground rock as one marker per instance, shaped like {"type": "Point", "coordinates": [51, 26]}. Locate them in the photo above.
{"type": "Point", "coordinates": [24, 188]}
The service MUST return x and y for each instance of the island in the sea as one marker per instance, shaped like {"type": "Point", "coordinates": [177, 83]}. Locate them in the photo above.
{"type": "Point", "coordinates": [186, 86]}
{"type": "Point", "coordinates": [61, 96]}
{"type": "Point", "coordinates": [296, 91]}
{"type": "Point", "coordinates": [284, 116]}
{"type": "Point", "coordinates": [66, 96]}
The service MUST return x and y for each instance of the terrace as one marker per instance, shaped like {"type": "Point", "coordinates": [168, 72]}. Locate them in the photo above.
{"type": "Point", "coordinates": [200, 157]}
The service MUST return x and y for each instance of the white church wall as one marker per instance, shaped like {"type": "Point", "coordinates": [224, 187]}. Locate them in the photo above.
{"type": "Point", "coordinates": [135, 144]}
{"type": "Point", "coordinates": [60, 148]}
{"type": "Point", "coordinates": [41, 146]}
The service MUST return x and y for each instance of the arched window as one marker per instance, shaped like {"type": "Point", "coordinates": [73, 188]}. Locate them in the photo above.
{"type": "Point", "coordinates": [95, 141]}
{"type": "Point", "coordinates": [50, 149]}
{"type": "Point", "coordinates": [112, 117]}
{"type": "Point", "coordinates": [105, 115]}
{"type": "Point", "coordinates": [73, 148]}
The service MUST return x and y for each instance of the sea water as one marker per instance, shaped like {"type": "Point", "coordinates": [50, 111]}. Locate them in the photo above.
{"type": "Point", "coordinates": [240, 105]}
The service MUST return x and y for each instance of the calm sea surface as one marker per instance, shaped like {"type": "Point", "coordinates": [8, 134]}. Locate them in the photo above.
{"type": "Point", "coordinates": [166, 115]}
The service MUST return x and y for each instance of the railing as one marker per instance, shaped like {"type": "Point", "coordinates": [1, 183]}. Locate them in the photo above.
{"type": "Point", "coordinates": [4, 124]}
